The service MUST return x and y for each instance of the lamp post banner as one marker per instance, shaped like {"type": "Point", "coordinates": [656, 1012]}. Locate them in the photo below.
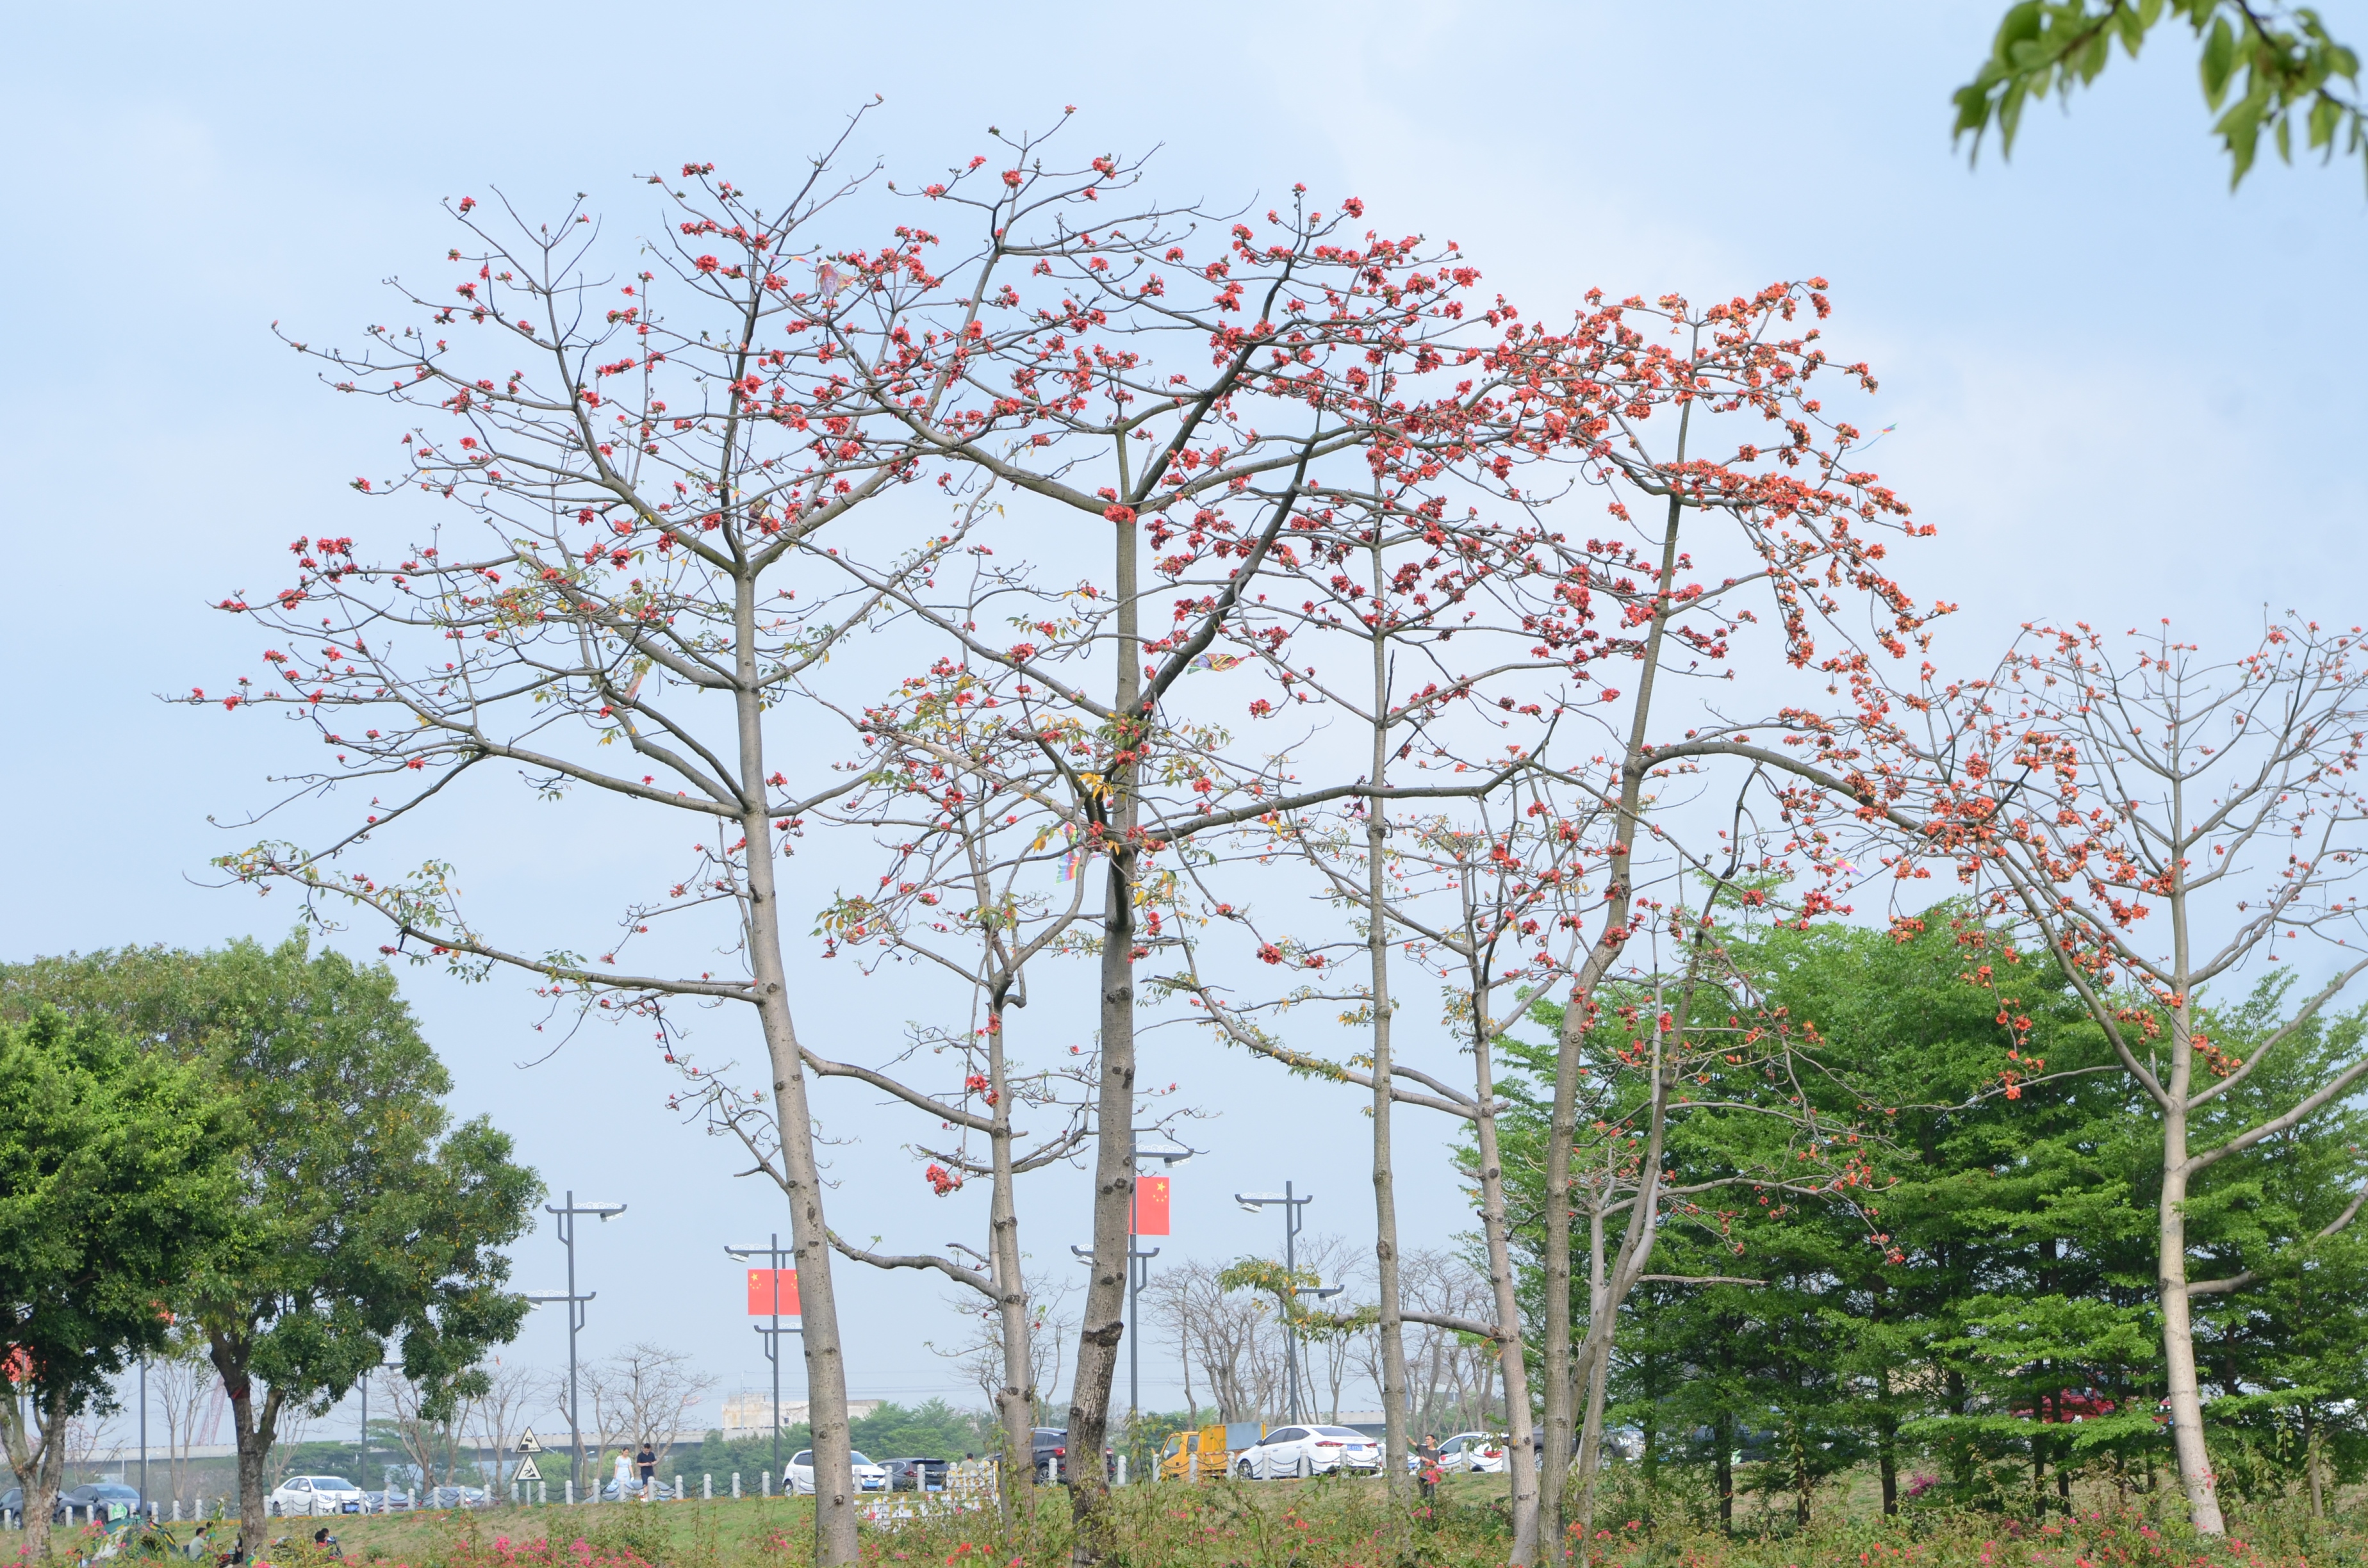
{"type": "Point", "coordinates": [774, 1291]}
{"type": "Point", "coordinates": [1150, 1206]}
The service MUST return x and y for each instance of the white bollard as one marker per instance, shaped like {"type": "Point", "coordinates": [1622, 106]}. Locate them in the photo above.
{"type": "Point", "coordinates": [571, 1492]}
{"type": "Point", "coordinates": [542, 1493]}
{"type": "Point", "coordinates": [735, 1485]}
{"type": "Point", "coordinates": [707, 1488]}
{"type": "Point", "coordinates": [1122, 1470]}
{"type": "Point", "coordinates": [679, 1494]}
{"type": "Point", "coordinates": [764, 1484]}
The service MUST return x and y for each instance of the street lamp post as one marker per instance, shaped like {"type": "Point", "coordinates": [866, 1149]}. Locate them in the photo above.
{"type": "Point", "coordinates": [566, 1214]}
{"type": "Point", "coordinates": [772, 1254]}
{"type": "Point", "coordinates": [1293, 1202]}
{"type": "Point", "coordinates": [1138, 1266]}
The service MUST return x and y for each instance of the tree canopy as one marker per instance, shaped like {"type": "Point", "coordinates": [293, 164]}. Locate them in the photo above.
{"type": "Point", "coordinates": [364, 1221]}
{"type": "Point", "coordinates": [116, 1178]}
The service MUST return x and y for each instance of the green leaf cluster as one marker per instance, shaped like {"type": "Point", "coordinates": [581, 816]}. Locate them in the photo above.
{"type": "Point", "coordinates": [2269, 65]}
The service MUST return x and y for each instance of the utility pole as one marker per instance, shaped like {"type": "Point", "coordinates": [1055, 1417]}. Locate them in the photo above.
{"type": "Point", "coordinates": [143, 1428]}
{"type": "Point", "coordinates": [566, 1214]}
{"type": "Point", "coordinates": [772, 1254]}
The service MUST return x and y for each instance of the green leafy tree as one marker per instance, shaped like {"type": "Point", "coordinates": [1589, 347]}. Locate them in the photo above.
{"type": "Point", "coordinates": [366, 1223]}
{"type": "Point", "coordinates": [2270, 65]}
{"type": "Point", "coordinates": [116, 1176]}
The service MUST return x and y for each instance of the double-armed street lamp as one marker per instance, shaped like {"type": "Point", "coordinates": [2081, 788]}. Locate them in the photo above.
{"type": "Point", "coordinates": [1138, 1268]}
{"type": "Point", "coordinates": [1293, 1201]}
{"type": "Point", "coordinates": [768, 1294]}
{"type": "Point", "coordinates": [1138, 1260]}
{"type": "Point", "coordinates": [566, 1214]}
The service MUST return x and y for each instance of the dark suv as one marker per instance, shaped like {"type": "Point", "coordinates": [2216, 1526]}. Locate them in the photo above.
{"type": "Point", "coordinates": [915, 1474]}
{"type": "Point", "coordinates": [1052, 1444]}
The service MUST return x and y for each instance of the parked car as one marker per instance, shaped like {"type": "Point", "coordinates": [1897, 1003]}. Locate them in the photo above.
{"type": "Point", "coordinates": [797, 1476]}
{"type": "Point", "coordinates": [310, 1495]}
{"type": "Point", "coordinates": [1480, 1452]}
{"type": "Point", "coordinates": [915, 1474]}
{"type": "Point", "coordinates": [462, 1496]}
{"type": "Point", "coordinates": [1308, 1450]}
{"type": "Point", "coordinates": [99, 1500]}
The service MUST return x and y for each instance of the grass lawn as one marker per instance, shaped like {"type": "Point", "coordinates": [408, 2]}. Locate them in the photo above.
{"type": "Point", "coordinates": [1327, 1523]}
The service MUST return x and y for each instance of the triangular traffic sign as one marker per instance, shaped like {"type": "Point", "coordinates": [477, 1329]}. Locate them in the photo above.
{"type": "Point", "coordinates": [530, 1444]}
{"type": "Point", "coordinates": [526, 1471]}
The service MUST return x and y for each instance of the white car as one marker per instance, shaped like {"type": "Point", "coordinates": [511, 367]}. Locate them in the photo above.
{"type": "Point", "coordinates": [310, 1495]}
{"type": "Point", "coordinates": [1482, 1452]}
{"type": "Point", "coordinates": [1308, 1450]}
{"type": "Point", "coordinates": [797, 1476]}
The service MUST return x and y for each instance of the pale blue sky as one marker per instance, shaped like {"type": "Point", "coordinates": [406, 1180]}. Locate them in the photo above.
{"type": "Point", "coordinates": [2121, 392]}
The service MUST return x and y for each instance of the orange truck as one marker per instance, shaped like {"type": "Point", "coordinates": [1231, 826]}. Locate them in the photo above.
{"type": "Point", "coordinates": [1207, 1453]}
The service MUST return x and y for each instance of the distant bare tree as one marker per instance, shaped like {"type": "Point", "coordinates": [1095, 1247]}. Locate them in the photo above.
{"type": "Point", "coordinates": [183, 1382]}
{"type": "Point", "coordinates": [981, 1356]}
{"type": "Point", "coordinates": [433, 1447]}
{"type": "Point", "coordinates": [500, 1412]}
{"type": "Point", "coordinates": [643, 1392]}
{"type": "Point", "coordinates": [1233, 1336]}
{"type": "Point", "coordinates": [1327, 1359]}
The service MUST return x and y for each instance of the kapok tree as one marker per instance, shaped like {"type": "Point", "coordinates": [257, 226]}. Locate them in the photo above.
{"type": "Point", "coordinates": [2163, 827]}
{"type": "Point", "coordinates": [975, 799]}
{"type": "Point", "coordinates": [1467, 892]}
{"type": "Point", "coordinates": [1748, 507]}
{"type": "Point", "coordinates": [1122, 372]}
{"type": "Point", "coordinates": [1393, 615]}
{"type": "Point", "coordinates": [613, 615]}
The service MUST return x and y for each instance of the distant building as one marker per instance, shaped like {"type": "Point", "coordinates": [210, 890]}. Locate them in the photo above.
{"type": "Point", "coordinates": [751, 1414]}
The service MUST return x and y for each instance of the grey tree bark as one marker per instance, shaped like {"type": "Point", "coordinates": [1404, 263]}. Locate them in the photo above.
{"type": "Point", "coordinates": [1102, 1324]}
{"type": "Point", "coordinates": [1377, 951]}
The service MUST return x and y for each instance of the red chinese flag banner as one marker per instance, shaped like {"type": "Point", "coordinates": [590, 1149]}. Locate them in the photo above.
{"type": "Point", "coordinates": [762, 1285]}
{"type": "Point", "coordinates": [1150, 1206]}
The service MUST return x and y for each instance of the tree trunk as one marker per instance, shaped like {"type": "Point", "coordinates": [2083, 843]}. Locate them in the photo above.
{"type": "Point", "coordinates": [1595, 1367]}
{"type": "Point", "coordinates": [1800, 1477]}
{"type": "Point", "coordinates": [1015, 1401]}
{"type": "Point", "coordinates": [1562, 1125]}
{"type": "Point", "coordinates": [835, 1497]}
{"type": "Point", "coordinates": [1391, 1330]}
{"type": "Point", "coordinates": [1723, 1470]}
{"type": "Point", "coordinates": [253, 1432]}
{"type": "Point", "coordinates": [1635, 1251]}
{"type": "Point", "coordinates": [1887, 1451]}
{"type": "Point", "coordinates": [1103, 1321]}
{"type": "Point", "coordinates": [2186, 1398]}
{"type": "Point", "coordinates": [1518, 1429]}
{"type": "Point", "coordinates": [40, 1466]}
